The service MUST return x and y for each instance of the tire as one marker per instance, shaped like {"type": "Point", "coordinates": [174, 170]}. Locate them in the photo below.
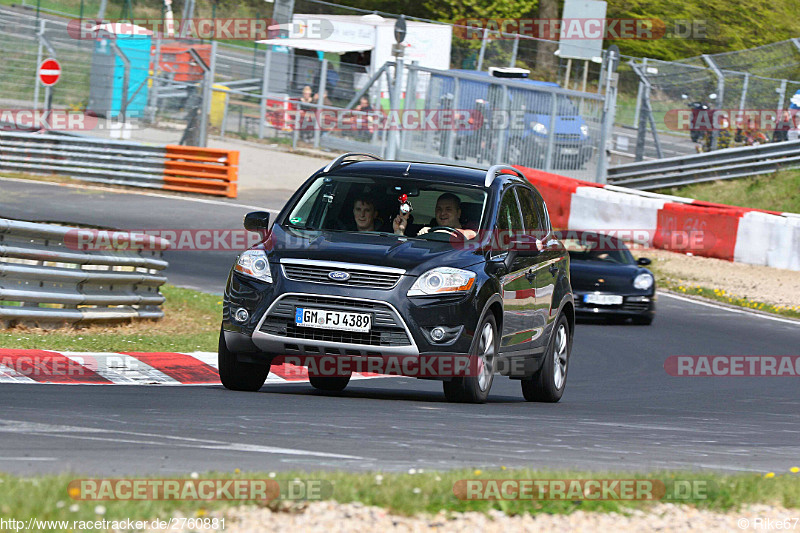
{"type": "Point", "coordinates": [236, 375]}
{"type": "Point", "coordinates": [330, 384]}
{"type": "Point", "coordinates": [549, 382]}
{"type": "Point", "coordinates": [475, 389]}
{"type": "Point", "coordinates": [643, 320]}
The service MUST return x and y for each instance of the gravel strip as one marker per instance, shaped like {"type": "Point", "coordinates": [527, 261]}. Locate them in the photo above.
{"type": "Point", "coordinates": [760, 283]}
{"type": "Point", "coordinates": [332, 517]}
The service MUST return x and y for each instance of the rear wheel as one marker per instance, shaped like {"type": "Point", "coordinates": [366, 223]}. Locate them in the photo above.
{"type": "Point", "coordinates": [475, 388]}
{"type": "Point", "coordinates": [236, 375]}
{"type": "Point", "coordinates": [548, 383]}
{"type": "Point", "coordinates": [330, 384]}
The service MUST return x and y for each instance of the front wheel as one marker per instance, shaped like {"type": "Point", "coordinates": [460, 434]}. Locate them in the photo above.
{"type": "Point", "coordinates": [548, 383]}
{"type": "Point", "coordinates": [236, 375]}
{"type": "Point", "coordinates": [475, 387]}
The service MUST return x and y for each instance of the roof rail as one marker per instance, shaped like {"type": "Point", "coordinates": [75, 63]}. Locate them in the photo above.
{"type": "Point", "coordinates": [344, 157]}
{"type": "Point", "coordinates": [493, 171]}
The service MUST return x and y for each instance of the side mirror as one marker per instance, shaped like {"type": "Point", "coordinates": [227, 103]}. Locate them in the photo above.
{"type": "Point", "coordinates": [643, 261]}
{"type": "Point", "coordinates": [257, 221]}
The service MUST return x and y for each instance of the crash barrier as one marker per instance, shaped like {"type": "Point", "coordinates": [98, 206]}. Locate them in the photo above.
{"type": "Point", "coordinates": [179, 168]}
{"type": "Point", "coordinates": [720, 164]}
{"type": "Point", "coordinates": [47, 276]}
{"type": "Point", "coordinates": [739, 234]}
{"type": "Point", "coordinates": [206, 170]}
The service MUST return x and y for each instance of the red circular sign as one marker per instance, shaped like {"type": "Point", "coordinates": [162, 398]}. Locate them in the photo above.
{"type": "Point", "coordinates": [49, 72]}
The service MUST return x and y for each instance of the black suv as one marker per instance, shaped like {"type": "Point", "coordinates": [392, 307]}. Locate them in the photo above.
{"type": "Point", "coordinates": [382, 260]}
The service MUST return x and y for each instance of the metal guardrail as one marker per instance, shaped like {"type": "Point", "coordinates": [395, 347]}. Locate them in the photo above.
{"type": "Point", "coordinates": [48, 276]}
{"type": "Point", "coordinates": [717, 165]}
{"type": "Point", "coordinates": [179, 168]}
{"type": "Point", "coordinates": [90, 159]}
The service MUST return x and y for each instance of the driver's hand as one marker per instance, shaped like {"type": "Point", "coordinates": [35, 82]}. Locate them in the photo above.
{"type": "Point", "coordinates": [424, 230]}
{"type": "Point", "coordinates": [468, 233]}
{"type": "Point", "coordinates": [399, 224]}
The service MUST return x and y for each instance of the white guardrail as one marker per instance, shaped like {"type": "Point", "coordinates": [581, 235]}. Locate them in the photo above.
{"type": "Point", "coordinates": [709, 166]}
{"type": "Point", "coordinates": [47, 276]}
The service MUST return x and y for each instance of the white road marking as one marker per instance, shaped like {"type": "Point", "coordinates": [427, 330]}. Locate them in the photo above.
{"type": "Point", "coordinates": [143, 193]}
{"type": "Point", "coordinates": [723, 308]}
{"type": "Point", "coordinates": [53, 430]}
{"type": "Point", "coordinates": [28, 458]}
{"type": "Point", "coordinates": [121, 369]}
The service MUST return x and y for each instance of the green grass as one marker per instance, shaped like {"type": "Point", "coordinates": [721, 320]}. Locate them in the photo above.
{"type": "Point", "coordinates": [191, 323]}
{"type": "Point", "coordinates": [47, 497]}
{"type": "Point", "coordinates": [775, 192]}
{"type": "Point", "coordinates": [723, 296]}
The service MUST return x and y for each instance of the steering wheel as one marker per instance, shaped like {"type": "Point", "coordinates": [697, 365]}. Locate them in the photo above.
{"type": "Point", "coordinates": [447, 229]}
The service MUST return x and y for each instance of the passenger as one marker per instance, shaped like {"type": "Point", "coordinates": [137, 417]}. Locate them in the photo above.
{"type": "Point", "coordinates": [365, 214]}
{"type": "Point", "coordinates": [448, 214]}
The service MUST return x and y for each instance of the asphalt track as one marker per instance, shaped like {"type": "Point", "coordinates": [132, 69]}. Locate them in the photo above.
{"type": "Point", "coordinates": [621, 410]}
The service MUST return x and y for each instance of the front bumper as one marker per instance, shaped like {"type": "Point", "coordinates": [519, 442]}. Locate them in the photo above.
{"type": "Point", "coordinates": [401, 325]}
{"type": "Point", "coordinates": [632, 305]}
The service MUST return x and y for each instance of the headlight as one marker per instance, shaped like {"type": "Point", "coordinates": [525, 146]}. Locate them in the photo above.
{"type": "Point", "coordinates": [539, 128]}
{"type": "Point", "coordinates": [441, 280]}
{"type": "Point", "coordinates": [254, 263]}
{"type": "Point", "coordinates": [584, 130]}
{"type": "Point", "coordinates": [643, 281]}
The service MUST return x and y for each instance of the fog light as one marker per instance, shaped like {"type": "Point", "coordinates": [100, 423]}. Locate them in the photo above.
{"type": "Point", "coordinates": [241, 315]}
{"type": "Point", "coordinates": [437, 333]}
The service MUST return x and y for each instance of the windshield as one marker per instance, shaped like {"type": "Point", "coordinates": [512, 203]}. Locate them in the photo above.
{"type": "Point", "coordinates": [372, 205]}
{"type": "Point", "coordinates": [589, 250]}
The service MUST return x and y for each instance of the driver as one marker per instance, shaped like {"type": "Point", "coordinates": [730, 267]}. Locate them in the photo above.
{"type": "Point", "coordinates": [448, 214]}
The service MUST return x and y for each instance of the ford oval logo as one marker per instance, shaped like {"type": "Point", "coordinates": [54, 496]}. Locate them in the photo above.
{"type": "Point", "coordinates": [338, 275]}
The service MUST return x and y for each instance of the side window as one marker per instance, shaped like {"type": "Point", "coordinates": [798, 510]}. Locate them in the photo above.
{"type": "Point", "coordinates": [534, 225]}
{"type": "Point", "coordinates": [509, 220]}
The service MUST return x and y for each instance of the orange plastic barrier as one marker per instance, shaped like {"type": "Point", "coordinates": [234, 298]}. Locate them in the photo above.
{"type": "Point", "coordinates": [202, 170]}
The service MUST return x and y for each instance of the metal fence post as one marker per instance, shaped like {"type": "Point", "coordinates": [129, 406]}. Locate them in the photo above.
{"type": "Point", "coordinates": [502, 135]}
{"type": "Point", "coordinates": [609, 106]}
{"type": "Point", "coordinates": [36, 83]}
{"type": "Point", "coordinates": [152, 96]}
{"type": "Point", "coordinates": [411, 97]}
{"type": "Point", "coordinates": [451, 139]}
{"type": "Point", "coordinates": [639, 94]}
{"type": "Point", "coordinates": [264, 91]}
{"type": "Point", "coordinates": [323, 80]}
{"type": "Point", "coordinates": [479, 67]}
{"type": "Point", "coordinates": [514, 50]}
{"type": "Point", "coordinates": [720, 94]}
{"type": "Point", "coordinates": [394, 135]}
{"type": "Point", "coordinates": [743, 100]}
{"type": "Point", "coordinates": [551, 133]}
{"type": "Point", "coordinates": [208, 82]}
{"type": "Point", "coordinates": [781, 100]}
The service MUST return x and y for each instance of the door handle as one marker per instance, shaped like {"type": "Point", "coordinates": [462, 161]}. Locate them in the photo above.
{"type": "Point", "coordinates": [553, 269]}
{"type": "Point", "coordinates": [530, 275]}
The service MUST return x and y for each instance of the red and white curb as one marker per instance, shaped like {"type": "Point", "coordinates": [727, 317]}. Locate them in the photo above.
{"type": "Point", "coordinates": [739, 234]}
{"type": "Point", "coordinates": [128, 368]}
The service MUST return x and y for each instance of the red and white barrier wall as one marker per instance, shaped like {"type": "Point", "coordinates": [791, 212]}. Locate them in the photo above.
{"type": "Point", "coordinates": [738, 234]}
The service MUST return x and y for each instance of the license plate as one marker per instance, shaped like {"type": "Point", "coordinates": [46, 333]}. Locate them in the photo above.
{"type": "Point", "coordinates": [339, 320]}
{"type": "Point", "coordinates": [570, 151]}
{"type": "Point", "coordinates": [603, 299]}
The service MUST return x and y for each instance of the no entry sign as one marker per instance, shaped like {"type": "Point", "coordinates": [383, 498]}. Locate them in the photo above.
{"type": "Point", "coordinates": [49, 72]}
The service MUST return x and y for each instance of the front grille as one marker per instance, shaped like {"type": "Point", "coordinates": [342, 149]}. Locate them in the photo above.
{"type": "Point", "coordinates": [632, 307]}
{"type": "Point", "coordinates": [387, 327]}
{"type": "Point", "coordinates": [358, 278]}
{"type": "Point", "coordinates": [568, 137]}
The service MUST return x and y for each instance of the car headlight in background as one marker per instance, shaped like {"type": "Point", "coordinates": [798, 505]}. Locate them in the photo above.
{"type": "Point", "coordinates": [539, 128]}
{"type": "Point", "coordinates": [442, 280]}
{"type": "Point", "coordinates": [584, 130]}
{"type": "Point", "coordinates": [643, 281]}
{"type": "Point", "coordinates": [254, 263]}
